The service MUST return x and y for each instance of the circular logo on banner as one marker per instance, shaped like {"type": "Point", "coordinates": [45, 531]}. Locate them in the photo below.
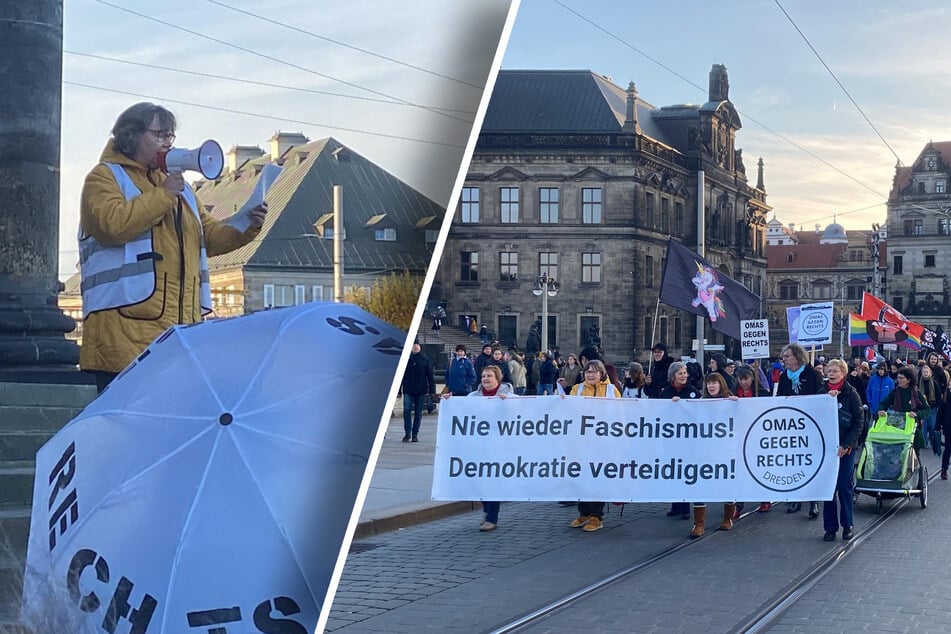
{"type": "Point", "coordinates": [784, 449]}
{"type": "Point", "coordinates": [815, 324]}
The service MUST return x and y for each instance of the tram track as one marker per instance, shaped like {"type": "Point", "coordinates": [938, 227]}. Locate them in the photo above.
{"type": "Point", "coordinates": [755, 622]}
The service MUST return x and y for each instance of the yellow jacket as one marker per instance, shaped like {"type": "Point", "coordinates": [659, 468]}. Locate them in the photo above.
{"type": "Point", "coordinates": [600, 390]}
{"type": "Point", "coordinates": [113, 338]}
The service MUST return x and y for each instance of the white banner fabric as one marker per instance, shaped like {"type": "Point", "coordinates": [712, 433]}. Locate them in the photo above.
{"type": "Point", "coordinates": [549, 448]}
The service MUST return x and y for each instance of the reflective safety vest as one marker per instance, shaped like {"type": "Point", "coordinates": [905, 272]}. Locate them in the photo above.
{"type": "Point", "coordinates": [113, 277]}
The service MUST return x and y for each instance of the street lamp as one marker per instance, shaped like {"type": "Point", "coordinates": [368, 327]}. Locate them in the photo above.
{"type": "Point", "coordinates": [545, 287]}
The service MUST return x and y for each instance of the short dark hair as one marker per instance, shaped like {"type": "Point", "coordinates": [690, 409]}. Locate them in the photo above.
{"type": "Point", "coordinates": [461, 347]}
{"type": "Point", "coordinates": [133, 123]}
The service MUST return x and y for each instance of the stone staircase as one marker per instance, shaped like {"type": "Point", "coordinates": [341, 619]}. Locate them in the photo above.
{"type": "Point", "coordinates": [30, 413]}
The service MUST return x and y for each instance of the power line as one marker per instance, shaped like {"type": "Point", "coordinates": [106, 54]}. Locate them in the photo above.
{"type": "Point", "coordinates": [256, 83]}
{"type": "Point", "coordinates": [262, 116]}
{"type": "Point", "coordinates": [841, 213]}
{"type": "Point", "coordinates": [847, 94]}
{"type": "Point", "coordinates": [344, 44]}
{"type": "Point", "coordinates": [700, 88]}
{"type": "Point", "coordinates": [277, 60]}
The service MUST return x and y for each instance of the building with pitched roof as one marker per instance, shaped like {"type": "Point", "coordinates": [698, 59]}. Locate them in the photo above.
{"type": "Point", "coordinates": [578, 179]}
{"type": "Point", "coordinates": [919, 223]}
{"type": "Point", "coordinates": [818, 265]}
{"type": "Point", "coordinates": [388, 226]}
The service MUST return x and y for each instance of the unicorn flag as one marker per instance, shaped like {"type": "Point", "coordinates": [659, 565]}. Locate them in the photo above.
{"type": "Point", "coordinates": [692, 284]}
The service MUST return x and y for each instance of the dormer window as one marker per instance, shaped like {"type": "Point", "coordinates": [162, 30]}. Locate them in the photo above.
{"type": "Point", "coordinates": [384, 228]}
{"type": "Point", "coordinates": [931, 163]}
{"type": "Point", "coordinates": [325, 227]}
{"type": "Point", "coordinates": [790, 257]}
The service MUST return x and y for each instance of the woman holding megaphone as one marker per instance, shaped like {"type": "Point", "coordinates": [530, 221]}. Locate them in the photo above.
{"type": "Point", "coordinates": [144, 243]}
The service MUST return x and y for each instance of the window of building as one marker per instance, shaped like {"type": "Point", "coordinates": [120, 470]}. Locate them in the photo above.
{"type": "Point", "coordinates": [649, 209]}
{"type": "Point", "coordinates": [278, 295]}
{"type": "Point", "coordinates": [665, 214]}
{"type": "Point", "coordinates": [432, 235]}
{"type": "Point", "coordinates": [919, 228]}
{"type": "Point", "coordinates": [584, 327]}
{"type": "Point", "coordinates": [790, 257]}
{"type": "Point", "coordinates": [317, 293]}
{"type": "Point", "coordinates": [821, 290]}
{"type": "Point", "coordinates": [508, 266]}
{"type": "Point", "coordinates": [548, 265]}
{"type": "Point", "coordinates": [591, 205]}
{"type": "Point", "coordinates": [944, 226]}
{"type": "Point", "coordinates": [649, 271]}
{"type": "Point", "coordinates": [469, 204]}
{"type": "Point", "coordinates": [591, 268]}
{"type": "Point", "coordinates": [329, 233]}
{"type": "Point", "coordinates": [896, 265]}
{"type": "Point", "coordinates": [929, 260]}
{"type": "Point", "coordinates": [932, 164]}
{"type": "Point", "coordinates": [385, 235]}
{"type": "Point", "coordinates": [897, 303]}
{"type": "Point", "coordinates": [678, 227]}
{"type": "Point", "coordinates": [662, 334]}
{"type": "Point", "coordinates": [300, 294]}
{"type": "Point", "coordinates": [470, 266]}
{"type": "Point", "coordinates": [548, 205]}
{"type": "Point", "coordinates": [788, 290]}
{"type": "Point", "coordinates": [939, 187]}
{"type": "Point", "coordinates": [854, 290]}
{"type": "Point", "coordinates": [921, 188]}
{"type": "Point", "coordinates": [648, 324]}
{"type": "Point", "coordinates": [508, 196]}
{"type": "Point", "coordinates": [678, 332]}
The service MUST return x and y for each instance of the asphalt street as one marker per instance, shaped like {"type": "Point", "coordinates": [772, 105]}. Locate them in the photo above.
{"type": "Point", "coordinates": [445, 575]}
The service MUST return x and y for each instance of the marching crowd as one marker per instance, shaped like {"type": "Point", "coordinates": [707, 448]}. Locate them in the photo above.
{"type": "Point", "coordinates": [921, 390]}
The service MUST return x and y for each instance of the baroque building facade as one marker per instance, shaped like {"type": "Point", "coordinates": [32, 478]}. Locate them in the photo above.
{"type": "Point", "coordinates": [821, 265]}
{"type": "Point", "coordinates": [577, 179]}
{"type": "Point", "coordinates": [919, 223]}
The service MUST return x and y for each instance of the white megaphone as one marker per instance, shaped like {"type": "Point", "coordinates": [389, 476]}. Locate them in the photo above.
{"type": "Point", "coordinates": [208, 159]}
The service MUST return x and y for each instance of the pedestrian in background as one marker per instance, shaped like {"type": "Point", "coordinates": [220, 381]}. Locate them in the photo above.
{"type": "Point", "coordinates": [461, 375]}
{"type": "Point", "coordinates": [746, 387]}
{"type": "Point", "coordinates": [931, 391]}
{"type": "Point", "coordinates": [634, 382]}
{"type": "Point", "coordinates": [547, 374]}
{"type": "Point", "coordinates": [851, 421]}
{"type": "Point", "coordinates": [657, 370]}
{"type": "Point", "coordinates": [518, 373]}
{"type": "Point", "coordinates": [419, 381]}
{"type": "Point", "coordinates": [569, 371]}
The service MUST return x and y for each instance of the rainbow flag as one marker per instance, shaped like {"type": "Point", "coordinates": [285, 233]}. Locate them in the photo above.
{"type": "Point", "coordinates": [871, 332]}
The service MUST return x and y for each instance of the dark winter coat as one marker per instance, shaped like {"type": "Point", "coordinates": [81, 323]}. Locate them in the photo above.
{"type": "Point", "coordinates": [809, 383]}
{"type": "Point", "coordinates": [878, 388]}
{"type": "Point", "coordinates": [658, 373]}
{"type": "Point", "coordinates": [419, 378]}
{"type": "Point", "coordinates": [851, 415]}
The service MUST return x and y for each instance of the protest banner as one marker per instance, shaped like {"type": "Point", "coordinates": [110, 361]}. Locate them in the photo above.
{"type": "Point", "coordinates": [815, 324]}
{"type": "Point", "coordinates": [550, 448]}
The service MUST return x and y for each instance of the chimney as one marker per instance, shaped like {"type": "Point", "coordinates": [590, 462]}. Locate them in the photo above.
{"type": "Point", "coordinates": [759, 175]}
{"type": "Point", "coordinates": [238, 155]}
{"type": "Point", "coordinates": [281, 142]}
{"type": "Point", "coordinates": [631, 125]}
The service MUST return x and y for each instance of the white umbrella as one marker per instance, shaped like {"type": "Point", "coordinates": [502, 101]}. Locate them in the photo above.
{"type": "Point", "coordinates": [209, 487]}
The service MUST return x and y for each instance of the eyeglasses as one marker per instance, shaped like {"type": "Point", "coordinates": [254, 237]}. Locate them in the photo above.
{"type": "Point", "coordinates": [592, 371]}
{"type": "Point", "coordinates": [162, 135]}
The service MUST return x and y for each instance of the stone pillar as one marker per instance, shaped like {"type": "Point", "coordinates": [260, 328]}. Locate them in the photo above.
{"type": "Point", "coordinates": [32, 328]}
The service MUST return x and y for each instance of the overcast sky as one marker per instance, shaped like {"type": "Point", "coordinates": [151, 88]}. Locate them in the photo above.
{"type": "Point", "coordinates": [457, 39]}
{"type": "Point", "coordinates": [892, 57]}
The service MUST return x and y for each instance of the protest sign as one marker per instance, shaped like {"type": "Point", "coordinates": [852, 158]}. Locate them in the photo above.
{"type": "Point", "coordinates": [815, 324]}
{"type": "Point", "coordinates": [629, 450]}
{"type": "Point", "coordinates": [754, 338]}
